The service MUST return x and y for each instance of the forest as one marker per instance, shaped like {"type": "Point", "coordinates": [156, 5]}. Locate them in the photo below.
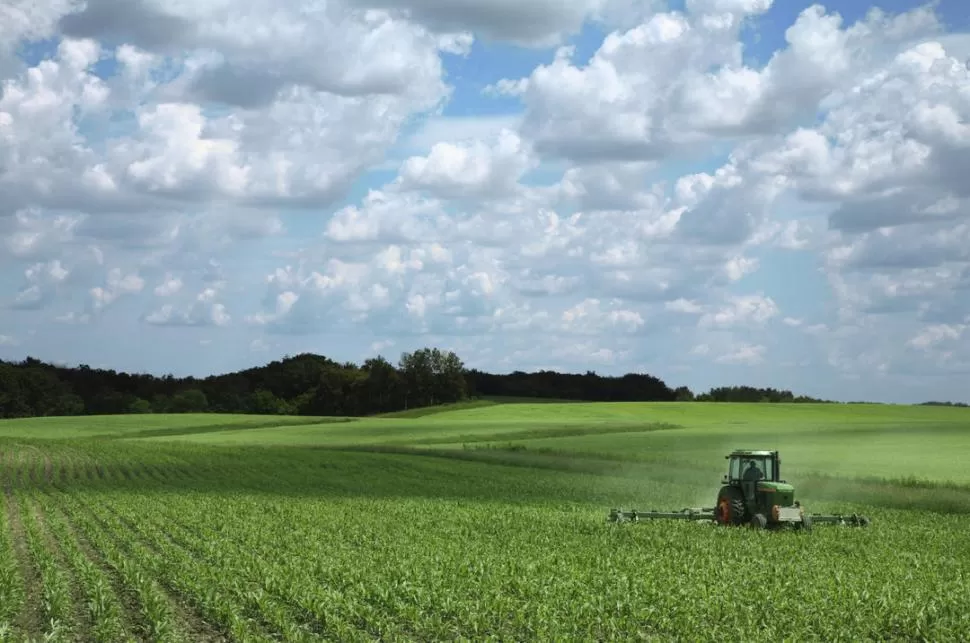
{"type": "Point", "coordinates": [310, 384]}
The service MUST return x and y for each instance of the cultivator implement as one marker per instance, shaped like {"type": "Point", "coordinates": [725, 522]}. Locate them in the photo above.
{"type": "Point", "coordinates": [709, 515]}
{"type": "Point", "coordinates": [618, 515]}
{"type": "Point", "coordinates": [852, 520]}
{"type": "Point", "coordinates": [753, 493]}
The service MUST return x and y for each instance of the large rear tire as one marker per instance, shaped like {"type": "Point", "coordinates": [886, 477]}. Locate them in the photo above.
{"type": "Point", "coordinates": [730, 506]}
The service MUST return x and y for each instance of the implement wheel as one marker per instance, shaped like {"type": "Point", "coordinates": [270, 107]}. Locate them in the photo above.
{"type": "Point", "coordinates": [730, 506]}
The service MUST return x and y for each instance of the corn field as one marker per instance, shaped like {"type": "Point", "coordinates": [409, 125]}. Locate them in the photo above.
{"type": "Point", "coordinates": [118, 540]}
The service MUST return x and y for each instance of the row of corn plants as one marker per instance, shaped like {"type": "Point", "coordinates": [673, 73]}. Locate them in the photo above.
{"type": "Point", "coordinates": [101, 601]}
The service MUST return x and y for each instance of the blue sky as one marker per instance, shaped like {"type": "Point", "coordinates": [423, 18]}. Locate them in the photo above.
{"type": "Point", "coordinates": [603, 188]}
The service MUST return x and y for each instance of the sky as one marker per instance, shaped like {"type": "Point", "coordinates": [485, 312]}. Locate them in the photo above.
{"type": "Point", "coordinates": [715, 192]}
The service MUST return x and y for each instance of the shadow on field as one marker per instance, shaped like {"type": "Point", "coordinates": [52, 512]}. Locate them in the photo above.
{"type": "Point", "coordinates": [491, 475]}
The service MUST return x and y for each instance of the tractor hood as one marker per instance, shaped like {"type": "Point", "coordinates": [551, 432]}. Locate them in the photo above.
{"type": "Point", "coordinates": [776, 487]}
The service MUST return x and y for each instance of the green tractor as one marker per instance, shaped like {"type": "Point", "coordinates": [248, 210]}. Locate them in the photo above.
{"type": "Point", "coordinates": [752, 493]}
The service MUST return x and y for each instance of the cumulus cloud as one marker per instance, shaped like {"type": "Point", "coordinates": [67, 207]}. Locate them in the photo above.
{"type": "Point", "coordinates": [746, 310]}
{"type": "Point", "coordinates": [743, 354]}
{"type": "Point", "coordinates": [477, 170]}
{"type": "Point", "coordinates": [117, 284]}
{"type": "Point", "coordinates": [41, 281]}
{"type": "Point", "coordinates": [619, 106]}
{"type": "Point", "coordinates": [203, 310]}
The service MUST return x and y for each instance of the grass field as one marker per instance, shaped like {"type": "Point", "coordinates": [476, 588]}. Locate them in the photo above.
{"type": "Point", "coordinates": [484, 521]}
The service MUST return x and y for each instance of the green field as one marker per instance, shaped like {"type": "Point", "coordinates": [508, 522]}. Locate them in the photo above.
{"type": "Point", "coordinates": [485, 521]}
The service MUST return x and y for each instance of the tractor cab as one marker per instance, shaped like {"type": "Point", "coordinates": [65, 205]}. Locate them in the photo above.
{"type": "Point", "coordinates": [752, 466]}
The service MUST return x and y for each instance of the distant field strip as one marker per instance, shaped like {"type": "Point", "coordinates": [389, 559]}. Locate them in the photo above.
{"type": "Point", "coordinates": [231, 426]}
{"type": "Point", "coordinates": [106, 426]}
{"type": "Point", "coordinates": [540, 432]}
{"type": "Point", "coordinates": [471, 404]}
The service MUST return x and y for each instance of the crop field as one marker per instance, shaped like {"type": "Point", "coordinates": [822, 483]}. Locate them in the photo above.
{"type": "Point", "coordinates": [480, 522]}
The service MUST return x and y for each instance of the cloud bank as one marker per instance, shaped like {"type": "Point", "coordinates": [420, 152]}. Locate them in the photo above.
{"type": "Point", "coordinates": [195, 187]}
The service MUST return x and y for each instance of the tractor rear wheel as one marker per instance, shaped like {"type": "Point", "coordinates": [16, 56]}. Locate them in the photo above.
{"type": "Point", "coordinates": [730, 506]}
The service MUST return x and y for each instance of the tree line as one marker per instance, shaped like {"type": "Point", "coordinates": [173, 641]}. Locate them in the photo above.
{"type": "Point", "coordinates": [935, 403]}
{"type": "Point", "coordinates": [310, 384]}
{"type": "Point", "coordinates": [753, 394]}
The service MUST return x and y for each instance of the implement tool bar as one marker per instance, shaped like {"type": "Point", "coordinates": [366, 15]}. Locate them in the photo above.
{"type": "Point", "coordinates": [618, 515]}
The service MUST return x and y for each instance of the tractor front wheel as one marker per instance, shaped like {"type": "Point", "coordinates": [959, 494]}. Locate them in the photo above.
{"type": "Point", "coordinates": [758, 521]}
{"type": "Point", "coordinates": [730, 506]}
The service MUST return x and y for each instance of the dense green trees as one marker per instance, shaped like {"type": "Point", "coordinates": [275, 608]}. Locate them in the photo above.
{"type": "Point", "coordinates": [309, 384]}
{"type": "Point", "coordinates": [632, 387]}
{"type": "Point", "coordinates": [304, 384]}
{"type": "Point", "coordinates": [751, 394]}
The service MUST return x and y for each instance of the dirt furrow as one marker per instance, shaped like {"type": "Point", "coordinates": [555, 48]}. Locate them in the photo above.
{"type": "Point", "coordinates": [30, 620]}
{"type": "Point", "coordinates": [131, 617]}
{"type": "Point", "coordinates": [193, 625]}
{"type": "Point", "coordinates": [79, 615]}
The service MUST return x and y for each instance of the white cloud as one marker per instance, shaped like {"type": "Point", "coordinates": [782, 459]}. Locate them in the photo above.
{"type": "Point", "coordinates": [737, 267]}
{"type": "Point", "coordinates": [937, 334]}
{"type": "Point", "coordinates": [170, 286]}
{"type": "Point", "coordinates": [476, 170]}
{"type": "Point", "coordinates": [590, 317]}
{"type": "Point", "coordinates": [203, 310]}
{"type": "Point", "coordinates": [616, 107]}
{"type": "Point", "coordinates": [117, 284]}
{"type": "Point", "coordinates": [746, 310]}
{"type": "Point", "coordinates": [41, 281]}
{"type": "Point", "coordinates": [683, 306]}
{"type": "Point", "coordinates": [745, 354]}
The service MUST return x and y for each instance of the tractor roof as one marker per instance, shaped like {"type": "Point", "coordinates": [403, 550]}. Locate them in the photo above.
{"type": "Point", "coordinates": [750, 452]}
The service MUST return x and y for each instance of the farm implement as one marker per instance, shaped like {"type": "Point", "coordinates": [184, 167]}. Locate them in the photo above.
{"type": "Point", "coordinates": [752, 494]}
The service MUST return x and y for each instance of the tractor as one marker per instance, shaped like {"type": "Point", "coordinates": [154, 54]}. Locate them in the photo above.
{"type": "Point", "coordinates": [752, 493]}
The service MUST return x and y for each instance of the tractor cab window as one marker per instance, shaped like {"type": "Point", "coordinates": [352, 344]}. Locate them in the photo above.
{"type": "Point", "coordinates": [734, 469]}
{"type": "Point", "coordinates": [751, 468]}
